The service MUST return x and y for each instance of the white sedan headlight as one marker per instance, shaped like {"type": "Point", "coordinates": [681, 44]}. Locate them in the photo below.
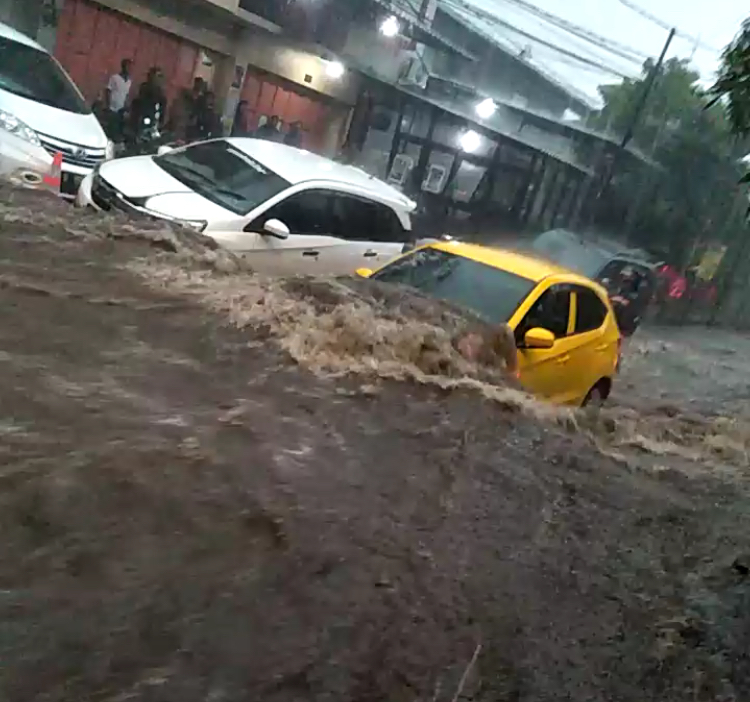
{"type": "Point", "coordinates": [198, 224]}
{"type": "Point", "coordinates": [11, 123]}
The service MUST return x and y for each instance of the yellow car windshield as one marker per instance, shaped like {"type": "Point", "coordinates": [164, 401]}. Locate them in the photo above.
{"type": "Point", "coordinates": [492, 293]}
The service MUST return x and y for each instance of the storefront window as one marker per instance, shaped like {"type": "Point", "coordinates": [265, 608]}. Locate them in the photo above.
{"type": "Point", "coordinates": [466, 181]}
{"type": "Point", "coordinates": [437, 173]}
{"type": "Point", "coordinates": [416, 121]}
{"type": "Point", "coordinates": [404, 164]}
{"type": "Point", "coordinates": [377, 146]}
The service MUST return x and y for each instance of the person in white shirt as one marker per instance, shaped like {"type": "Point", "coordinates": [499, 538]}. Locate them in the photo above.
{"type": "Point", "coordinates": [118, 89]}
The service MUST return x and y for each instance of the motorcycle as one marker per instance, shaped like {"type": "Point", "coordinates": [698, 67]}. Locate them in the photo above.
{"type": "Point", "coordinates": [146, 137]}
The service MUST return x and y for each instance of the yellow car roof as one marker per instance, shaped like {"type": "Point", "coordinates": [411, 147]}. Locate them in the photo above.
{"type": "Point", "coordinates": [523, 265]}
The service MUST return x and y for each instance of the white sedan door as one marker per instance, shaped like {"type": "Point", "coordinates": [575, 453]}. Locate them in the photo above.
{"type": "Point", "coordinates": [372, 231]}
{"type": "Point", "coordinates": [330, 233]}
{"type": "Point", "coordinates": [311, 248]}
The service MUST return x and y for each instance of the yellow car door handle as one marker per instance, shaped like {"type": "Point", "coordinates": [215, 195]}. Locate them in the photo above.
{"type": "Point", "coordinates": [563, 359]}
{"type": "Point", "coordinates": [603, 347]}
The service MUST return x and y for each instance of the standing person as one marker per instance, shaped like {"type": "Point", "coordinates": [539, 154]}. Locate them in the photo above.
{"type": "Point", "coordinates": [208, 122]}
{"type": "Point", "coordinates": [116, 96]}
{"type": "Point", "coordinates": [239, 125]}
{"type": "Point", "coordinates": [628, 301]}
{"type": "Point", "coordinates": [183, 119]}
{"type": "Point", "coordinates": [294, 136]}
{"type": "Point", "coordinates": [151, 101]}
{"type": "Point", "coordinates": [270, 130]}
{"type": "Point", "coordinates": [198, 98]}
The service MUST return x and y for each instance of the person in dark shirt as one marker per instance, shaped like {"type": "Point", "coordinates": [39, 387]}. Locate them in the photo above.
{"type": "Point", "coordinates": [628, 301]}
{"type": "Point", "coordinates": [184, 115]}
{"type": "Point", "coordinates": [150, 102]}
{"type": "Point", "coordinates": [270, 130]}
{"type": "Point", "coordinates": [208, 121]}
{"type": "Point", "coordinates": [294, 136]}
{"type": "Point", "coordinates": [239, 125]}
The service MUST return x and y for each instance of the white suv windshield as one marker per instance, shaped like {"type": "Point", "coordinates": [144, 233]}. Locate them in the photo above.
{"type": "Point", "coordinates": [35, 75]}
{"type": "Point", "coordinates": [223, 174]}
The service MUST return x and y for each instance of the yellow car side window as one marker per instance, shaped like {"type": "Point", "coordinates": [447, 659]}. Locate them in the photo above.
{"type": "Point", "coordinates": [551, 311]}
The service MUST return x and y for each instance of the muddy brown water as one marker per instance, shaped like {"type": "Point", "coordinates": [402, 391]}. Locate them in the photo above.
{"type": "Point", "coordinates": [219, 488]}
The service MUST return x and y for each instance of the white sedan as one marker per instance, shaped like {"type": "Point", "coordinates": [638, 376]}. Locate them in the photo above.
{"type": "Point", "coordinates": [289, 210]}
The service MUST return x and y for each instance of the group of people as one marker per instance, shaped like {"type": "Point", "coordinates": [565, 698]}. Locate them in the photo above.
{"type": "Point", "coordinates": [271, 130]}
{"type": "Point", "coordinates": [191, 117]}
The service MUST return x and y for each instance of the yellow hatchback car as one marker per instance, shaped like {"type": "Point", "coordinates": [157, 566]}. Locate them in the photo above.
{"type": "Point", "coordinates": [565, 330]}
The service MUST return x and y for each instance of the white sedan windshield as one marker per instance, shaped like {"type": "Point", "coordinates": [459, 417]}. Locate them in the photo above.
{"type": "Point", "coordinates": [223, 174]}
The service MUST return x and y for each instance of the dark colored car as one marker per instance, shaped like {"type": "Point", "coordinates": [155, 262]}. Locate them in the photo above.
{"type": "Point", "coordinates": [627, 274]}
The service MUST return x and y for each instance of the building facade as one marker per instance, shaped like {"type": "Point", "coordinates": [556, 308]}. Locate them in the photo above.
{"type": "Point", "coordinates": [234, 45]}
{"type": "Point", "coordinates": [400, 103]}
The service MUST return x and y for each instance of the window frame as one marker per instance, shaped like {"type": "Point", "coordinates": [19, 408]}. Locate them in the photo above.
{"type": "Point", "coordinates": [400, 235]}
{"type": "Point", "coordinates": [577, 289]}
{"type": "Point", "coordinates": [521, 329]}
{"type": "Point", "coordinates": [267, 213]}
{"type": "Point", "coordinates": [253, 226]}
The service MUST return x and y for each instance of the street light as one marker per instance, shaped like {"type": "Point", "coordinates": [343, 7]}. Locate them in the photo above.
{"type": "Point", "coordinates": [470, 141]}
{"type": "Point", "coordinates": [390, 26]}
{"type": "Point", "coordinates": [334, 69]}
{"type": "Point", "coordinates": [486, 108]}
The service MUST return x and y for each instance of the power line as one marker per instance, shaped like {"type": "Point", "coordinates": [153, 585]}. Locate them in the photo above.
{"type": "Point", "coordinates": [559, 35]}
{"type": "Point", "coordinates": [486, 16]}
{"type": "Point", "coordinates": [593, 67]}
{"type": "Point", "coordinates": [604, 43]}
{"type": "Point", "coordinates": [667, 26]}
{"type": "Point", "coordinates": [622, 50]}
{"type": "Point", "coordinates": [559, 49]}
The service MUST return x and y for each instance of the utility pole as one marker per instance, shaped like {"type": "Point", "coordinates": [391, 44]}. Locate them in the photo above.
{"type": "Point", "coordinates": [607, 165]}
{"type": "Point", "coordinates": [647, 87]}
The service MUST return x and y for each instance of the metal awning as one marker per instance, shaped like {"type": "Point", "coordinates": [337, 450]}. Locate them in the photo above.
{"type": "Point", "coordinates": [544, 120]}
{"type": "Point", "coordinates": [423, 32]}
{"type": "Point", "coordinates": [462, 113]}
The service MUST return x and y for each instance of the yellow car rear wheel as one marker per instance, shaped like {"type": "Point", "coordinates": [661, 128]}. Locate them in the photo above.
{"type": "Point", "coordinates": [598, 395]}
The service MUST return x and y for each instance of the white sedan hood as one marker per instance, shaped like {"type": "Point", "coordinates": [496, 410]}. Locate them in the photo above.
{"type": "Point", "coordinates": [140, 177]}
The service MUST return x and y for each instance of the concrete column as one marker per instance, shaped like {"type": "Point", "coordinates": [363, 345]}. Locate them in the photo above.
{"type": "Point", "coordinates": [47, 34]}
{"type": "Point", "coordinates": [23, 15]}
{"type": "Point", "coordinates": [227, 97]}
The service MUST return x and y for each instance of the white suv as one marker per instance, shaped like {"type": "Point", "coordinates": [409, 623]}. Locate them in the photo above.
{"type": "Point", "coordinates": [42, 114]}
{"type": "Point", "coordinates": [289, 210]}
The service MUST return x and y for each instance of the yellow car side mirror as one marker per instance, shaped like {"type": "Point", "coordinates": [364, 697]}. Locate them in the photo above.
{"type": "Point", "coordinates": [363, 272]}
{"type": "Point", "coordinates": [538, 338]}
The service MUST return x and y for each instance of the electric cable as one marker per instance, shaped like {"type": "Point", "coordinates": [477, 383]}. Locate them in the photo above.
{"type": "Point", "coordinates": [667, 26]}
{"type": "Point", "coordinates": [605, 43]}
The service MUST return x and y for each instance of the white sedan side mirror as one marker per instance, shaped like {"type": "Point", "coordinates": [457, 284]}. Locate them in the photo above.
{"type": "Point", "coordinates": [275, 227]}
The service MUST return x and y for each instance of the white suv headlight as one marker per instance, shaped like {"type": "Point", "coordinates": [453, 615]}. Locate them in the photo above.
{"type": "Point", "coordinates": [11, 123]}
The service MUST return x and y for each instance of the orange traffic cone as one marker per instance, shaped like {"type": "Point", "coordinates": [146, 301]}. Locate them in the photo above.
{"type": "Point", "coordinates": [53, 179]}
